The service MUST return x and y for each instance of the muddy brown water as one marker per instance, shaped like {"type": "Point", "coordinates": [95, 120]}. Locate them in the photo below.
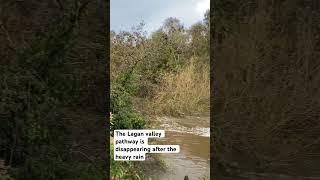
{"type": "Point", "coordinates": [192, 133]}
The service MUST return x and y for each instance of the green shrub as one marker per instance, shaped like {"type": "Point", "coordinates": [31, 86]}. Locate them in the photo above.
{"type": "Point", "coordinates": [123, 89]}
{"type": "Point", "coordinates": [52, 168]}
{"type": "Point", "coordinates": [127, 120]}
{"type": "Point", "coordinates": [126, 170]}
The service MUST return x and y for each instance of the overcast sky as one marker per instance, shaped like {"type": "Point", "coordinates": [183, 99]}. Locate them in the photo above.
{"type": "Point", "coordinates": [127, 13]}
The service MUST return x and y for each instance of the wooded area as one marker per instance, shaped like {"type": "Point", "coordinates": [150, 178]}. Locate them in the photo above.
{"type": "Point", "coordinates": [54, 73]}
{"type": "Point", "coordinates": [265, 87]}
{"type": "Point", "coordinates": [163, 73]}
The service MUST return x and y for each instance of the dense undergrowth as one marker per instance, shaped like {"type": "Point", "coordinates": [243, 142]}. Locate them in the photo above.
{"type": "Point", "coordinates": [265, 94]}
{"type": "Point", "coordinates": [43, 85]}
{"type": "Point", "coordinates": [186, 92]}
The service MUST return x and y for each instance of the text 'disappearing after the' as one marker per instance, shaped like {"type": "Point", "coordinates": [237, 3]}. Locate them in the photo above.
{"type": "Point", "coordinates": [132, 145]}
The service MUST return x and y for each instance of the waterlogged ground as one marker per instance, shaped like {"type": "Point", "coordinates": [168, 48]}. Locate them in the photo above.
{"type": "Point", "coordinates": [193, 135]}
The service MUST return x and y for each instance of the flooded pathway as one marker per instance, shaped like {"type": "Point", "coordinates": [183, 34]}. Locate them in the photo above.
{"type": "Point", "coordinates": [193, 135]}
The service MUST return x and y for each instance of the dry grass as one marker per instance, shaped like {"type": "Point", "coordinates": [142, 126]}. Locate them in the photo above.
{"type": "Point", "coordinates": [186, 92]}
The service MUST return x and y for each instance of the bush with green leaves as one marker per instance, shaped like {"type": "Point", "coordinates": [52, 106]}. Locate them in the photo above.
{"type": "Point", "coordinates": [122, 91]}
{"type": "Point", "coordinates": [52, 168]}
{"type": "Point", "coordinates": [123, 169]}
{"type": "Point", "coordinates": [39, 81]}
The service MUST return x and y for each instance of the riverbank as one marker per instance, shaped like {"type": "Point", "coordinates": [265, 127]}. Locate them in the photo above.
{"type": "Point", "coordinates": [192, 133]}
